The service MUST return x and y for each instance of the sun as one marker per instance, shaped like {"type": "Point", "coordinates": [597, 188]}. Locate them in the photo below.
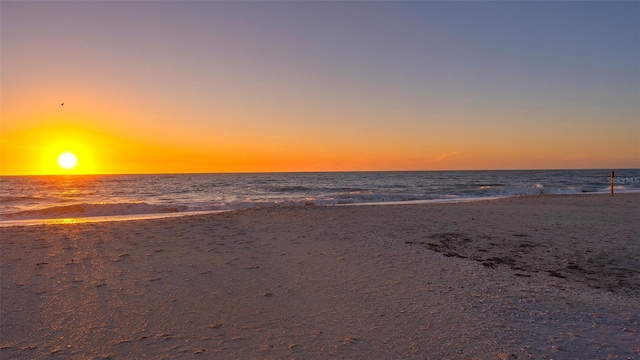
{"type": "Point", "coordinates": [67, 160]}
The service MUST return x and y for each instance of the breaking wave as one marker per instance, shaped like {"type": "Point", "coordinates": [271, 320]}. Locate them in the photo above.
{"type": "Point", "coordinates": [537, 189]}
{"type": "Point", "coordinates": [90, 210]}
{"type": "Point", "coordinates": [141, 208]}
{"type": "Point", "coordinates": [147, 196]}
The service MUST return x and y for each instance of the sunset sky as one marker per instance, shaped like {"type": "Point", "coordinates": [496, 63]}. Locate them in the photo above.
{"type": "Point", "coordinates": [165, 87]}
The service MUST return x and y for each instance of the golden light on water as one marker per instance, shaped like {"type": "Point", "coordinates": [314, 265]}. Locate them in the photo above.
{"type": "Point", "coordinates": [67, 160]}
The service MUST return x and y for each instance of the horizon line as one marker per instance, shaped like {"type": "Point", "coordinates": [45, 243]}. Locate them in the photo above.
{"type": "Point", "coordinates": [319, 172]}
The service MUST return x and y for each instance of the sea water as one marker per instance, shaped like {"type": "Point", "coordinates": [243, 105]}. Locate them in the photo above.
{"type": "Point", "coordinates": [99, 197]}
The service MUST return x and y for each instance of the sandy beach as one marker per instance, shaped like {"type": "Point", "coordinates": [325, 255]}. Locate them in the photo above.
{"type": "Point", "coordinates": [541, 277]}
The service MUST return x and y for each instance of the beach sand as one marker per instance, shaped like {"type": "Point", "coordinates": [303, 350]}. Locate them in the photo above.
{"type": "Point", "coordinates": [529, 277]}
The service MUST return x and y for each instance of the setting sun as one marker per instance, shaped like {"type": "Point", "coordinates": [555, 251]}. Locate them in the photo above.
{"type": "Point", "coordinates": [67, 160]}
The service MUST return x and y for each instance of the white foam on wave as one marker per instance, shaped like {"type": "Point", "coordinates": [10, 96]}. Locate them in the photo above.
{"type": "Point", "coordinates": [537, 189]}
{"type": "Point", "coordinates": [89, 210]}
{"type": "Point", "coordinates": [620, 189]}
{"type": "Point", "coordinates": [125, 211]}
{"type": "Point", "coordinates": [364, 197]}
{"type": "Point", "coordinates": [427, 201]}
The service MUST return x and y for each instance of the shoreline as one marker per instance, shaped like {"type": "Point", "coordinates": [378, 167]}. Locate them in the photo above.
{"type": "Point", "coordinates": [535, 276]}
{"type": "Point", "coordinates": [99, 219]}
{"type": "Point", "coordinates": [150, 216]}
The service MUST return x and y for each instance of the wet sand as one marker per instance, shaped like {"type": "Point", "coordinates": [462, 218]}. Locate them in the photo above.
{"type": "Point", "coordinates": [531, 277]}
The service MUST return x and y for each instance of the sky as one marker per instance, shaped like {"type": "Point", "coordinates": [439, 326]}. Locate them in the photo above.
{"type": "Point", "coordinates": [191, 87]}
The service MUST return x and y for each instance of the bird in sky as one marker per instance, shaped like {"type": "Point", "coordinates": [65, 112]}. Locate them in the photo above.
{"type": "Point", "coordinates": [62, 104]}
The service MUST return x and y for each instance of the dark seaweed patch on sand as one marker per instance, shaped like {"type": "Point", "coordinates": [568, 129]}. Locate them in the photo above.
{"type": "Point", "coordinates": [616, 268]}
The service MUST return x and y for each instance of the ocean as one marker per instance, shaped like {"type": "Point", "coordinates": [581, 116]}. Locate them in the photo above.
{"type": "Point", "coordinates": [26, 200]}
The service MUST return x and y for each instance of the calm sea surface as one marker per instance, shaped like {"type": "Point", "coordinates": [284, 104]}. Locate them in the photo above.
{"type": "Point", "coordinates": [24, 199]}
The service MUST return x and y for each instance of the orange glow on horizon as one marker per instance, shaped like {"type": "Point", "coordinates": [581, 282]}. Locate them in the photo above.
{"type": "Point", "coordinates": [130, 140]}
{"type": "Point", "coordinates": [36, 151]}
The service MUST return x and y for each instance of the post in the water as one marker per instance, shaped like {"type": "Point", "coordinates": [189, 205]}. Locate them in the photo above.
{"type": "Point", "coordinates": [611, 179]}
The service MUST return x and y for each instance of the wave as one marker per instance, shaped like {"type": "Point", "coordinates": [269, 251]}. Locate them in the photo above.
{"type": "Point", "coordinates": [365, 197]}
{"type": "Point", "coordinates": [537, 189]}
{"type": "Point", "coordinates": [288, 189]}
{"type": "Point", "coordinates": [141, 208]}
{"type": "Point", "coordinates": [621, 189]}
{"type": "Point", "coordinates": [11, 199]}
{"type": "Point", "coordinates": [90, 210]}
